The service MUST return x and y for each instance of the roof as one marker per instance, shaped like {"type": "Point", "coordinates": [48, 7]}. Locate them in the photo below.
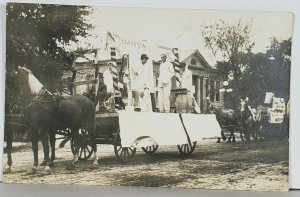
{"type": "Point", "coordinates": [184, 55]}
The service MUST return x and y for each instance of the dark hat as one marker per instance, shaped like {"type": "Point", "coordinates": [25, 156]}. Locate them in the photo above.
{"type": "Point", "coordinates": [144, 56]}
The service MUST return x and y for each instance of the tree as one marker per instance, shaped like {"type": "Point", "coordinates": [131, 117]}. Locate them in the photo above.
{"type": "Point", "coordinates": [232, 43]}
{"type": "Point", "coordinates": [268, 72]}
{"type": "Point", "coordinates": [37, 34]}
{"type": "Point", "coordinates": [254, 81]}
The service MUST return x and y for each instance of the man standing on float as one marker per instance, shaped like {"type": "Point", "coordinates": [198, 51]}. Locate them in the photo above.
{"type": "Point", "coordinates": [166, 72]}
{"type": "Point", "coordinates": [147, 100]}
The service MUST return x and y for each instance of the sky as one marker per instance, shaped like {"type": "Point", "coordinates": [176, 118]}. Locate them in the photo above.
{"type": "Point", "coordinates": [181, 28]}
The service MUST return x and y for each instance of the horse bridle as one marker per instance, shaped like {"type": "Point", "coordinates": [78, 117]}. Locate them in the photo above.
{"type": "Point", "coordinates": [36, 100]}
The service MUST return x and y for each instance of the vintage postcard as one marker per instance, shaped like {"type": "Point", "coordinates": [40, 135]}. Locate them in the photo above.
{"type": "Point", "coordinates": [176, 98]}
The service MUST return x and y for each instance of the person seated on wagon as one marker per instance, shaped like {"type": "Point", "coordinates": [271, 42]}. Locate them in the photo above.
{"type": "Point", "coordinates": [108, 78]}
{"type": "Point", "coordinates": [108, 91]}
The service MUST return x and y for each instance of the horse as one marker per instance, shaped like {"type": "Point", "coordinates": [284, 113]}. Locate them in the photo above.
{"type": "Point", "coordinates": [251, 121]}
{"type": "Point", "coordinates": [255, 123]}
{"type": "Point", "coordinates": [228, 120]}
{"type": "Point", "coordinates": [46, 113]}
{"type": "Point", "coordinates": [234, 120]}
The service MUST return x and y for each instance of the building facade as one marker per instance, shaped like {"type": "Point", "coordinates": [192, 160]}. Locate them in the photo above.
{"type": "Point", "coordinates": [206, 80]}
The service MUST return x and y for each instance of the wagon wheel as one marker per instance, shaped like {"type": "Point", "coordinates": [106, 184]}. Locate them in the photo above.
{"type": "Point", "coordinates": [85, 149]}
{"type": "Point", "coordinates": [187, 149]}
{"type": "Point", "coordinates": [124, 154]}
{"type": "Point", "coordinates": [150, 149]}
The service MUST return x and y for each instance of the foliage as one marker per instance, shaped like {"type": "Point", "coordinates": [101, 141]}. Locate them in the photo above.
{"type": "Point", "coordinates": [253, 74]}
{"type": "Point", "coordinates": [233, 44]}
{"type": "Point", "coordinates": [37, 34]}
{"type": "Point", "coordinates": [268, 72]}
{"type": "Point", "coordinates": [229, 42]}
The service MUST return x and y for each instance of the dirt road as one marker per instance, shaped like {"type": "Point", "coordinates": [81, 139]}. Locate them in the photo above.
{"type": "Point", "coordinates": [238, 166]}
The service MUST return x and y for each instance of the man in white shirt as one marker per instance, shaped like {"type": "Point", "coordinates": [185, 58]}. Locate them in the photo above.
{"type": "Point", "coordinates": [166, 72]}
{"type": "Point", "coordinates": [146, 79]}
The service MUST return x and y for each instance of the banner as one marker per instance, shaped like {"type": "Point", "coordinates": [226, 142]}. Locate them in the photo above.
{"type": "Point", "coordinates": [275, 117]}
{"type": "Point", "coordinates": [127, 46]}
{"type": "Point", "coordinates": [278, 104]}
{"type": "Point", "coordinates": [268, 98]}
{"type": "Point", "coordinates": [124, 45]}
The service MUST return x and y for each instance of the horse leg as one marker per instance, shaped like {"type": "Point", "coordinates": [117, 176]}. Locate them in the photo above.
{"type": "Point", "coordinates": [230, 136]}
{"type": "Point", "coordinates": [95, 161]}
{"type": "Point", "coordinates": [260, 132]}
{"type": "Point", "coordinates": [223, 135]}
{"type": "Point", "coordinates": [94, 146]}
{"type": "Point", "coordinates": [52, 145]}
{"type": "Point", "coordinates": [9, 150]}
{"type": "Point", "coordinates": [34, 141]}
{"type": "Point", "coordinates": [45, 142]}
{"type": "Point", "coordinates": [247, 133]}
{"type": "Point", "coordinates": [233, 136]}
{"type": "Point", "coordinates": [76, 145]}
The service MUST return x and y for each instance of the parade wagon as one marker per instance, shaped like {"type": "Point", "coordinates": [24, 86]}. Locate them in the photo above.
{"type": "Point", "coordinates": [128, 130]}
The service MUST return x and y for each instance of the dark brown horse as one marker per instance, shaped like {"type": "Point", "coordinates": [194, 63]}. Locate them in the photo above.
{"type": "Point", "coordinates": [235, 120]}
{"type": "Point", "coordinates": [46, 113]}
{"type": "Point", "coordinates": [228, 120]}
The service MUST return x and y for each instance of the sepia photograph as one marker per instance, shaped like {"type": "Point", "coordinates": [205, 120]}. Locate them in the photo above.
{"type": "Point", "coordinates": [151, 97]}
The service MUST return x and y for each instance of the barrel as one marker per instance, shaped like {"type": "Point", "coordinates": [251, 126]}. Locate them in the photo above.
{"type": "Point", "coordinates": [183, 101]}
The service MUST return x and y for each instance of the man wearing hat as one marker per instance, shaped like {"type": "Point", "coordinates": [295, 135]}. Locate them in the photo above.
{"type": "Point", "coordinates": [166, 72]}
{"type": "Point", "coordinates": [146, 79]}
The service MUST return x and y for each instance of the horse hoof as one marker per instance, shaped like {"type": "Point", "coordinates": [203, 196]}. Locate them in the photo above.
{"type": "Point", "coordinates": [52, 164]}
{"type": "Point", "coordinates": [95, 163]}
{"type": "Point", "coordinates": [43, 163]}
{"type": "Point", "coordinates": [7, 169]}
{"type": "Point", "coordinates": [33, 171]}
{"type": "Point", "coordinates": [47, 170]}
{"type": "Point", "coordinates": [70, 167]}
{"type": "Point", "coordinates": [224, 138]}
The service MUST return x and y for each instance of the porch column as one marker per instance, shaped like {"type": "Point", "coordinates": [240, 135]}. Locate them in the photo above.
{"type": "Point", "coordinates": [204, 90]}
{"type": "Point", "coordinates": [198, 96]}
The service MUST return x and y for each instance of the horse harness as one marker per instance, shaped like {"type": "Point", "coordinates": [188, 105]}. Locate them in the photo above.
{"type": "Point", "coordinates": [37, 101]}
{"type": "Point", "coordinates": [256, 115]}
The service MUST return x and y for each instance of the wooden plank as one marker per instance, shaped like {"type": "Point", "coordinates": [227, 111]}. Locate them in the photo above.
{"type": "Point", "coordinates": [84, 67]}
{"type": "Point", "coordinates": [84, 82]}
{"type": "Point", "coordinates": [107, 115]}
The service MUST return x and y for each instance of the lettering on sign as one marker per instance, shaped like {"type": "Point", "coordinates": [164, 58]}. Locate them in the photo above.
{"type": "Point", "coordinates": [84, 75]}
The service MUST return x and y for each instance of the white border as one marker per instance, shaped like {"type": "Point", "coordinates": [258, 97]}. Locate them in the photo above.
{"type": "Point", "coordinates": [261, 5]}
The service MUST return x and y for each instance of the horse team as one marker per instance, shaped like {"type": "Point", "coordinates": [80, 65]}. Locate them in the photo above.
{"type": "Point", "coordinates": [45, 113]}
{"type": "Point", "coordinates": [246, 120]}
